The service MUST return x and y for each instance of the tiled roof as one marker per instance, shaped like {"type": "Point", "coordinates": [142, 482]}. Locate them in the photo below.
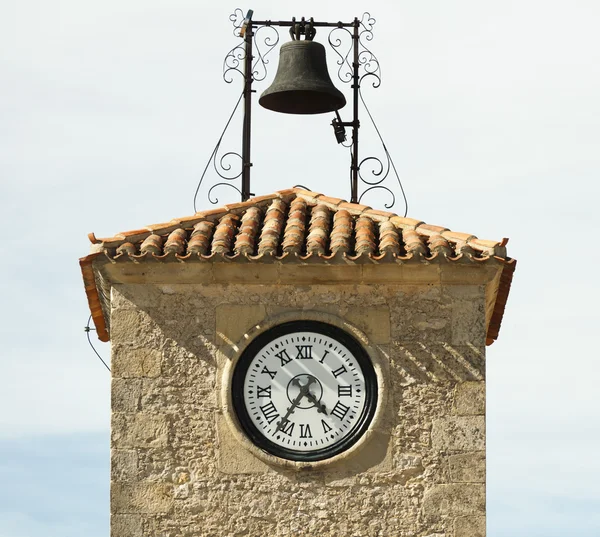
{"type": "Point", "coordinates": [301, 226]}
{"type": "Point", "coordinates": [297, 226]}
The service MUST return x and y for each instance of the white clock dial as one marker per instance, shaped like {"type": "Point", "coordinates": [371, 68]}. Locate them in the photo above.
{"type": "Point", "coordinates": [307, 390]}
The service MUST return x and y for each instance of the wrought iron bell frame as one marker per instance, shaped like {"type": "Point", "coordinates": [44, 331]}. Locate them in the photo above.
{"type": "Point", "coordinates": [249, 59]}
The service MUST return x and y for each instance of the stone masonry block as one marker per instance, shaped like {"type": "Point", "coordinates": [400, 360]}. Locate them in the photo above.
{"type": "Point", "coordinates": [128, 326]}
{"type": "Point", "coordinates": [457, 433]}
{"type": "Point", "coordinates": [138, 430]}
{"type": "Point", "coordinates": [246, 273]}
{"type": "Point", "coordinates": [120, 300]}
{"type": "Point", "coordinates": [141, 498]}
{"type": "Point", "coordinates": [468, 467]}
{"type": "Point", "coordinates": [373, 321]}
{"type": "Point", "coordinates": [415, 320]}
{"type": "Point", "coordinates": [469, 399]}
{"type": "Point", "coordinates": [134, 296]}
{"type": "Point", "coordinates": [123, 465]}
{"type": "Point", "coordinates": [126, 526]}
{"type": "Point", "coordinates": [456, 499]}
{"type": "Point", "coordinates": [126, 395]}
{"type": "Point", "coordinates": [231, 457]}
{"type": "Point", "coordinates": [235, 320]}
{"type": "Point", "coordinates": [468, 314]}
{"type": "Point", "coordinates": [469, 526]}
{"type": "Point", "coordinates": [133, 363]}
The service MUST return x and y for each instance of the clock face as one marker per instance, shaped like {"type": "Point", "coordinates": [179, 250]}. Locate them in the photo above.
{"type": "Point", "coordinates": [304, 391]}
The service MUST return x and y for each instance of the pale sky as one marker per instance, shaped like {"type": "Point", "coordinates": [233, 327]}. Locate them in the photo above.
{"type": "Point", "coordinates": [491, 110]}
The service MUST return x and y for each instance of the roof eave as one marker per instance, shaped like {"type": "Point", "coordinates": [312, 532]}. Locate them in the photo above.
{"type": "Point", "coordinates": [97, 266]}
{"type": "Point", "coordinates": [93, 296]}
{"type": "Point", "coordinates": [502, 293]}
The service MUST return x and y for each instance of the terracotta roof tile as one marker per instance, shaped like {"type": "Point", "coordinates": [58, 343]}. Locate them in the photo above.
{"type": "Point", "coordinates": [329, 201]}
{"type": "Point", "coordinates": [353, 208]}
{"type": "Point", "coordinates": [319, 230]}
{"type": "Point", "coordinates": [439, 245]}
{"type": "Point", "coordinates": [413, 243]}
{"type": "Point", "coordinates": [295, 228]}
{"type": "Point", "coordinates": [201, 237]}
{"type": "Point", "coordinates": [341, 233]}
{"type": "Point", "coordinates": [289, 192]}
{"type": "Point", "coordinates": [249, 228]}
{"type": "Point", "coordinates": [378, 215]}
{"type": "Point", "coordinates": [176, 242]}
{"type": "Point", "coordinates": [127, 248]}
{"type": "Point", "coordinates": [272, 228]}
{"type": "Point", "coordinates": [365, 236]}
{"type": "Point", "coordinates": [429, 229]}
{"type": "Point", "coordinates": [309, 196]}
{"type": "Point", "coordinates": [457, 236]}
{"type": "Point", "coordinates": [224, 234]}
{"type": "Point", "coordinates": [152, 245]}
{"type": "Point", "coordinates": [260, 200]}
{"type": "Point", "coordinates": [389, 238]}
{"type": "Point", "coordinates": [218, 211]}
{"type": "Point", "coordinates": [405, 223]}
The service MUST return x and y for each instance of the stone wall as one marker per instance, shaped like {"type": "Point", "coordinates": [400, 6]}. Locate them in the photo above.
{"type": "Point", "coordinates": [178, 470]}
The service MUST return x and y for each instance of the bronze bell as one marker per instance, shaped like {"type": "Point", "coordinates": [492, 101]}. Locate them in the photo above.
{"type": "Point", "coordinates": [302, 84]}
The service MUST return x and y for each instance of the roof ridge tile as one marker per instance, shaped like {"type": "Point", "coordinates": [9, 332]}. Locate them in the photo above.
{"type": "Point", "coordinates": [403, 222]}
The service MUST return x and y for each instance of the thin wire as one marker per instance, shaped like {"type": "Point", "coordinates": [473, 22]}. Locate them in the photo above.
{"type": "Point", "coordinates": [87, 331]}
{"type": "Point", "coordinates": [386, 152]}
{"type": "Point", "coordinates": [216, 149]}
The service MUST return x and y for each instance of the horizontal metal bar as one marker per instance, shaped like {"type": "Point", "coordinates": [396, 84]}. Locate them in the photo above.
{"type": "Point", "coordinates": [315, 24]}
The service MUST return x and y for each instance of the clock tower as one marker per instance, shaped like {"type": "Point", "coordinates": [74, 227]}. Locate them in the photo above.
{"type": "Point", "coordinates": [297, 365]}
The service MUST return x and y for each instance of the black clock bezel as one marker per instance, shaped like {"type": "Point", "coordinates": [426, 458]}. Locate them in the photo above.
{"type": "Point", "coordinates": [346, 339]}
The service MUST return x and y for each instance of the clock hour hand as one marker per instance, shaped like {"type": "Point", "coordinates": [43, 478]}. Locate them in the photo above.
{"type": "Point", "coordinates": [304, 389]}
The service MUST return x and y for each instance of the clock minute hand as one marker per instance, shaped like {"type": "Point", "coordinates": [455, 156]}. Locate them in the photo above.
{"type": "Point", "coordinates": [320, 406]}
{"type": "Point", "coordinates": [303, 391]}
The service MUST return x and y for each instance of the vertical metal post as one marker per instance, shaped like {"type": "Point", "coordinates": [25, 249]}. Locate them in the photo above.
{"type": "Point", "coordinates": [355, 122]}
{"type": "Point", "coordinates": [248, 79]}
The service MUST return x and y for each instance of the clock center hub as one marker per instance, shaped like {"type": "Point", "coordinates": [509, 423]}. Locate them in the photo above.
{"type": "Point", "coordinates": [313, 390]}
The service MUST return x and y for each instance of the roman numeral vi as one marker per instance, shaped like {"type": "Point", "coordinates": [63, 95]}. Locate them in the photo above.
{"type": "Point", "coordinates": [305, 431]}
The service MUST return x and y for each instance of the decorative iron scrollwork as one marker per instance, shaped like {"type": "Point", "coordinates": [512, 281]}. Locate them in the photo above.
{"type": "Point", "coordinates": [263, 41]}
{"type": "Point", "coordinates": [232, 62]}
{"type": "Point", "coordinates": [366, 58]}
{"type": "Point", "coordinates": [237, 19]}
{"type": "Point", "coordinates": [215, 200]}
{"type": "Point", "coordinates": [381, 171]}
{"type": "Point", "coordinates": [339, 38]}
{"type": "Point", "coordinates": [221, 165]}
